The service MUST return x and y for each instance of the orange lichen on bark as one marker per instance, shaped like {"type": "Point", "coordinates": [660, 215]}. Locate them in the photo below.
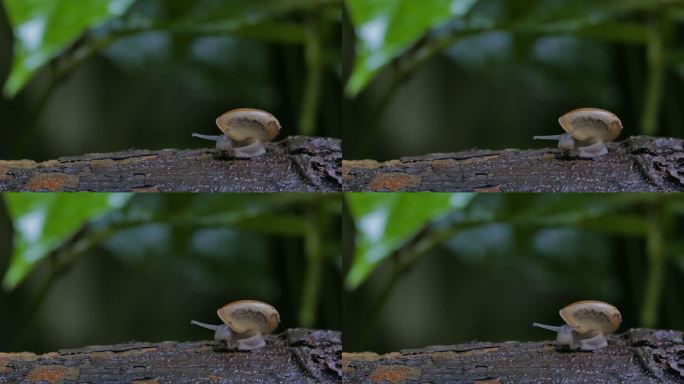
{"type": "Point", "coordinates": [394, 182]}
{"type": "Point", "coordinates": [51, 182]}
{"type": "Point", "coordinates": [394, 374]}
{"type": "Point", "coordinates": [52, 374]}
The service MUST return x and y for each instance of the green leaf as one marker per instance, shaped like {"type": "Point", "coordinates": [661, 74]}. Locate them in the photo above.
{"type": "Point", "coordinates": [42, 222]}
{"type": "Point", "coordinates": [43, 29]}
{"type": "Point", "coordinates": [385, 222]}
{"type": "Point", "coordinates": [386, 28]}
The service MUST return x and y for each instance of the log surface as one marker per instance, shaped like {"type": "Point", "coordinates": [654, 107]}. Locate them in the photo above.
{"type": "Point", "coordinates": [296, 164]}
{"type": "Point", "coordinates": [295, 356]}
{"type": "Point", "coordinates": [645, 356]}
{"type": "Point", "coordinates": [639, 164]}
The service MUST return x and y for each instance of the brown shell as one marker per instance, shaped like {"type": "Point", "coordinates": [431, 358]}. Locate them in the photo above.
{"type": "Point", "coordinates": [250, 315]}
{"type": "Point", "coordinates": [592, 315]}
{"type": "Point", "coordinates": [247, 123]}
{"type": "Point", "coordinates": [588, 123]}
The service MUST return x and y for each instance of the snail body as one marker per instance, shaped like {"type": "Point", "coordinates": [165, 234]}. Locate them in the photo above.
{"type": "Point", "coordinates": [586, 325]}
{"type": "Point", "coordinates": [244, 132]}
{"type": "Point", "coordinates": [586, 132]}
{"type": "Point", "coordinates": [245, 322]}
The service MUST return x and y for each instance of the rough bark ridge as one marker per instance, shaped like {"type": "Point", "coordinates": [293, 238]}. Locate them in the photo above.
{"type": "Point", "coordinates": [637, 356]}
{"type": "Point", "coordinates": [639, 164]}
{"type": "Point", "coordinates": [296, 356]}
{"type": "Point", "coordinates": [296, 164]}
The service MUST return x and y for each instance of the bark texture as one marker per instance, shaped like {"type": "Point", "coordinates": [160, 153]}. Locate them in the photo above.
{"type": "Point", "coordinates": [295, 356]}
{"type": "Point", "coordinates": [637, 356]}
{"type": "Point", "coordinates": [296, 164]}
{"type": "Point", "coordinates": [640, 163]}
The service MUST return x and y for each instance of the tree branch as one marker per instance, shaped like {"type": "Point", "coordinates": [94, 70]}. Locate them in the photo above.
{"type": "Point", "coordinates": [296, 355]}
{"type": "Point", "coordinates": [640, 164]}
{"type": "Point", "coordinates": [638, 356]}
{"type": "Point", "coordinates": [296, 164]}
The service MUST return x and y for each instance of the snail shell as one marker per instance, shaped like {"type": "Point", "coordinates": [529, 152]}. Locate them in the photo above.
{"type": "Point", "coordinates": [591, 123]}
{"type": "Point", "coordinates": [248, 123]}
{"type": "Point", "coordinates": [591, 316]}
{"type": "Point", "coordinates": [250, 316]}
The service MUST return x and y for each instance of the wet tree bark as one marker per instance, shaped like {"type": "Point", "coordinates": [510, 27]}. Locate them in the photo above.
{"type": "Point", "coordinates": [639, 164]}
{"type": "Point", "coordinates": [296, 164]}
{"type": "Point", "coordinates": [637, 356]}
{"type": "Point", "coordinates": [296, 355]}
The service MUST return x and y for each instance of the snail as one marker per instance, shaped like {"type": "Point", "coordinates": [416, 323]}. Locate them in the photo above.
{"type": "Point", "coordinates": [587, 131]}
{"type": "Point", "coordinates": [586, 325]}
{"type": "Point", "coordinates": [244, 132]}
{"type": "Point", "coordinates": [245, 322]}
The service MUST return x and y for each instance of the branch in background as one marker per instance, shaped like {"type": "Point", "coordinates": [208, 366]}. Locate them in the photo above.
{"type": "Point", "coordinates": [313, 246]}
{"type": "Point", "coordinates": [658, 224]}
{"type": "Point", "coordinates": [314, 63]}
{"type": "Point", "coordinates": [653, 93]}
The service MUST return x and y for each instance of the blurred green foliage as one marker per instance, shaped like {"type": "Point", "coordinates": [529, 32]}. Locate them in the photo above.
{"type": "Point", "coordinates": [386, 222]}
{"type": "Point", "coordinates": [43, 222]}
{"type": "Point", "coordinates": [387, 28]}
{"type": "Point", "coordinates": [279, 55]}
{"type": "Point", "coordinates": [415, 70]}
{"type": "Point", "coordinates": [43, 29]}
{"type": "Point", "coordinates": [626, 248]}
{"type": "Point", "coordinates": [191, 251]}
